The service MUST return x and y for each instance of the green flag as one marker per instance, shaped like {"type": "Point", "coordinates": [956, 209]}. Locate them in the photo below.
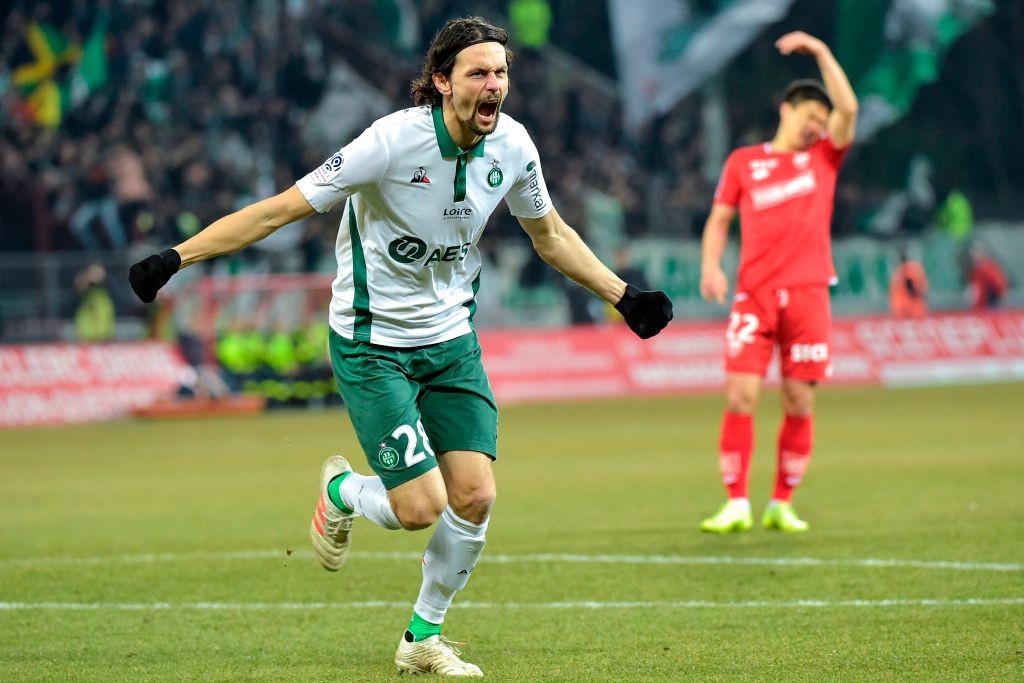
{"type": "Point", "coordinates": [91, 74]}
{"type": "Point", "coordinates": [893, 47]}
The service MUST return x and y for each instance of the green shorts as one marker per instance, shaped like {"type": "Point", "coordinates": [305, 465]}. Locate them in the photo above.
{"type": "Point", "coordinates": [408, 404]}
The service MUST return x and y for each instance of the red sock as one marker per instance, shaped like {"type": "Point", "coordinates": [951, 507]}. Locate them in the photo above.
{"type": "Point", "coordinates": [794, 454]}
{"type": "Point", "coordinates": [734, 448]}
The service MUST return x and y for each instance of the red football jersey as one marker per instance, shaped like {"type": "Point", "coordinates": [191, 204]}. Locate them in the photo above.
{"type": "Point", "coordinates": [785, 204]}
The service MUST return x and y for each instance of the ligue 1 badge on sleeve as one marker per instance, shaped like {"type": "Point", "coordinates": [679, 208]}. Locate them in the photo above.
{"type": "Point", "coordinates": [327, 171]}
{"type": "Point", "coordinates": [495, 176]}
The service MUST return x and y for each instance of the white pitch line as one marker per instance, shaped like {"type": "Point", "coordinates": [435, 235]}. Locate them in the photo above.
{"type": "Point", "coordinates": [543, 558]}
{"type": "Point", "coordinates": [587, 604]}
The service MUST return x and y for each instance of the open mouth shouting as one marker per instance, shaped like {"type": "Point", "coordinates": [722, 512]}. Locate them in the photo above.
{"type": "Point", "coordinates": [487, 113]}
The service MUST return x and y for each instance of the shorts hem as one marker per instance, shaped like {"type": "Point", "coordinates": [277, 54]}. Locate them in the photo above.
{"type": "Point", "coordinates": [392, 479]}
{"type": "Point", "coordinates": [489, 450]}
{"type": "Point", "coordinates": [816, 378]}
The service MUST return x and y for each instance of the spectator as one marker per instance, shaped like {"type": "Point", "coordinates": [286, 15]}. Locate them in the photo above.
{"type": "Point", "coordinates": [531, 22]}
{"type": "Point", "coordinates": [98, 208]}
{"type": "Point", "coordinates": [986, 280]}
{"type": "Point", "coordinates": [908, 288]}
{"type": "Point", "coordinates": [94, 315]}
{"type": "Point", "coordinates": [201, 96]}
{"type": "Point", "coordinates": [956, 216]}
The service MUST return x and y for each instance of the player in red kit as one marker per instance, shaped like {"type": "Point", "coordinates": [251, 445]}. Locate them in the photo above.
{"type": "Point", "coordinates": [783, 190]}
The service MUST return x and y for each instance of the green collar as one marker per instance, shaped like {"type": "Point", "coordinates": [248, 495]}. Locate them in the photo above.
{"type": "Point", "coordinates": [444, 139]}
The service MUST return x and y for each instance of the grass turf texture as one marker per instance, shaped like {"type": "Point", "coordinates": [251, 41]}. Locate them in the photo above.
{"type": "Point", "coordinates": [923, 475]}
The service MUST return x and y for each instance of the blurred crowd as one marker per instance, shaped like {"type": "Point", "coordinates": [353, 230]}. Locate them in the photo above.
{"type": "Point", "coordinates": [201, 107]}
{"type": "Point", "coordinates": [134, 123]}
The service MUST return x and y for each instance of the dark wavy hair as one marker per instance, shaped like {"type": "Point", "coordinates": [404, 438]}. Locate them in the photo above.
{"type": "Point", "coordinates": [451, 39]}
{"type": "Point", "coordinates": [806, 89]}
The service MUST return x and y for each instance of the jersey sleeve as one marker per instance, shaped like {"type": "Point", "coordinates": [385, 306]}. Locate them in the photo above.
{"type": "Point", "coordinates": [528, 197]}
{"type": "Point", "coordinates": [832, 154]}
{"type": "Point", "coordinates": [360, 163]}
{"type": "Point", "coordinates": [728, 190]}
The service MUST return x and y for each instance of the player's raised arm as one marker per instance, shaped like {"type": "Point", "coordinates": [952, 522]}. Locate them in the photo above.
{"type": "Point", "coordinates": [561, 247]}
{"type": "Point", "coordinates": [714, 285]}
{"type": "Point", "coordinates": [842, 121]}
{"type": "Point", "coordinates": [224, 236]}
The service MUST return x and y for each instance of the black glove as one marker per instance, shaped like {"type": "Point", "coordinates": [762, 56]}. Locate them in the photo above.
{"type": "Point", "coordinates": [646, 313]}
{"type": "Point", "coordinates": [151, 273]}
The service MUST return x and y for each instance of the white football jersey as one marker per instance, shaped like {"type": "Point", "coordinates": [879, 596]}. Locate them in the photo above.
{"type": "Point", "coordinates": [408, 263]}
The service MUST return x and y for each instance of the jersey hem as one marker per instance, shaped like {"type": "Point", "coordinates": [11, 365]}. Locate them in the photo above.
{"type": "Point", "coordinates": [377, 340]}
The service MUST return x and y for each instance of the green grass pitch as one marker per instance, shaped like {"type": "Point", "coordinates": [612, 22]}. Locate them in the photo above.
{"type": "Point", "coordinates": [152, 551]}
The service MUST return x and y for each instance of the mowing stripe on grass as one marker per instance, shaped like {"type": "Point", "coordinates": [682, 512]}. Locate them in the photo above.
{"type": "Point", "coordinates": [586, 604]}
{"type": "Point", "coordinates": [545, 558]}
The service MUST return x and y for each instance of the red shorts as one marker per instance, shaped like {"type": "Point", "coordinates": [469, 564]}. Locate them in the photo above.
{"type": "Point", "coordinates": [797, 319]}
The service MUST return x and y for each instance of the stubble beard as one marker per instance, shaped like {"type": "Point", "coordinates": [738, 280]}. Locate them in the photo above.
{"type": "Point", "coordinates": [480, 130]}
{"type": "Point", "coordinates": [476, 128]}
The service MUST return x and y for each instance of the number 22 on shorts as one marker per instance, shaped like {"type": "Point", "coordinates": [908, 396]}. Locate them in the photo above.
{"type": "Point", "coordinates": [742, 327]}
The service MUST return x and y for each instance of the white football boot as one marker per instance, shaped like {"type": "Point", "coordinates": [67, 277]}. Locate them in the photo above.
{"type": "Point", "coordinates": [435, 654]}
{"type": "Point", "coordinates": [331, 528]}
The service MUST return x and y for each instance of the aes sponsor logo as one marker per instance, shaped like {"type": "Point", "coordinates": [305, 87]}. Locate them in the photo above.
{"type": "Point", "coordinates": [408, 249]}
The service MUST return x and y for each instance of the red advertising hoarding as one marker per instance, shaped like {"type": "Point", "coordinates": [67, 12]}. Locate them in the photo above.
{"type": "Point", "coordinates": [608, 360]}
{"type": "Point", "coordinates": [62, 383]}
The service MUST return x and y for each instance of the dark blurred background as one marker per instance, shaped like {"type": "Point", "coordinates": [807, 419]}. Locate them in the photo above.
{"type": "Point", "coordinates": [126, 126]}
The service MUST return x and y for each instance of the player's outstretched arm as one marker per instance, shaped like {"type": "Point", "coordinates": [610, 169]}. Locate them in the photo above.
{"type": "Point", "coordinates": [842, 121]}
{"type": "Point", "coordinates": [561, 247]}
{"type": "Point", "coordinates": [714, 285]}
{"type": "Point", "coordinates": [224, 236]}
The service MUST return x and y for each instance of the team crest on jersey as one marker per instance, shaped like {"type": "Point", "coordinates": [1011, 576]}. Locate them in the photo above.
{"type": "Point", "coordinates": [388, 456]}
{"type": "Point", "coordinates": [329, 170]}
{"type": "Point", "coordinates": [801, 159]}
{"type": "Point", "coordinates": [762, 168]}
{"type": "Point", "coordinates": [495, 176]}
{"type": "Point", "coordinates": [420, 176]}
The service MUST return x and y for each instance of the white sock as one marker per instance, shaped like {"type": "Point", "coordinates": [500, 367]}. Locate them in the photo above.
{"type": "Point", "coordinates": [745, 502]}
{"type": "Point", "coordinates": [368, 498]}
{"type": "Point", "coordinates": [448, 561]}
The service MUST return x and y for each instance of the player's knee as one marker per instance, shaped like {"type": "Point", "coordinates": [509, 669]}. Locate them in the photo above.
{"type": "Point", "coordinates": [797, 398]}
{"type": "Point", "coordinates": [741, 400]}
{"type": "Point", "coordinates": [473, 504]}
{"type": "Point", "coordinates": [422, 513]}
{"type": "Point", "coordinates": [798, 408]}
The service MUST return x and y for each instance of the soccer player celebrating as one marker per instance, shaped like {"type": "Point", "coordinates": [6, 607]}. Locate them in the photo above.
{"type": "Point", "coordinates": [418, 187]}
{"type": "Point", "coordinates": [784, 192]}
